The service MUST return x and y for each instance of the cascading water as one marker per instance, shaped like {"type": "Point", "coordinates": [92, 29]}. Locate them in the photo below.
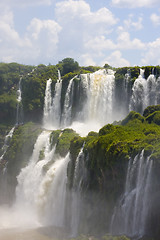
{"type": "Point", "coordinates": [56, 103]}
{"type": "Point", "coordinates": [41, 189]}
{"type": "Point", "coordinates": [6, 142]}
{"type": "Point", "coordinates": [52, 106]}
{"type": "Point", "coordinates": [80, 174]}
{"type": "Point", "coordinates": [47, 116]}
{"type": "Point", "coordinates": [139, 99]}
{"type": "Point", "coordinates": [19, 114]}
{"type": "Point", "coordinates": [100, 93]}
{"type": "Point", "coordinates": [145, 92]}
{"type": "Point", "coordinates": [55, 194]}
{"type": "Point", "coordinates": [31, 176]}
{"type": "Point", "coordinates": [151, 90]}
{"type": "Point", "coordinates": [102, 100]}
{"type": "Point", "coordinates": [67, 110]}
{"type": "Point", "coordinates": [130, 215]}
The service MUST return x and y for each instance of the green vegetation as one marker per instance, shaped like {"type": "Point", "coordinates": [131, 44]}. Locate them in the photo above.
{"type": "Point", "coordinates": [63, 141]}
{"type": "Point", "coordinates": [33, 88]}
{"type": "Point", "coordinates": [68, 65]}
{"type": "Point", "coordinates": [9, 78]}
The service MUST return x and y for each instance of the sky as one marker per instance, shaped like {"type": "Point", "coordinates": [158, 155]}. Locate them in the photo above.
{"type": "Point", "coordinates": [92, 32]}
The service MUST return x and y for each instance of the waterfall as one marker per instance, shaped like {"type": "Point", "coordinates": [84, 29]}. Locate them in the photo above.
{"type": "Point", "coordinates": [30, 177]}
{"type": "Point", "coordinates": [130, 214]}
{"type": "Point", "coordinates": [139, 94]}
{"type": "Point", "coordinates": [52, 106]}
{"type": "Point", "coordinates": [56, 103]}
{"type": "Point", "coordinates": [99, 100]}
{"type": "Point", "coordinates": [80, 174]}
{"type": "Point", "coordinates": [19, 114]}
{"type": "Point", "coordinates": [6, 142]}
{"type": "Point", "coordinates": [41, 189]}
{"type": "Point", "coordinates": [145, 92]}
{"type": "Point", "coordinates": [54, 193]}
{"type": "Point", "coordinates": [47, 116]}
{"type": "Point", "coordinates": [99, 88]}
{"type": "Point", "coordinates": [151, 90]}
{"type": "Point", "coordinates": [67, 111]}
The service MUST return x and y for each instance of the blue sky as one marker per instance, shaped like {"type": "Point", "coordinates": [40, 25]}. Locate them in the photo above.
{"type": "Point", "coordinates": [93, 32]}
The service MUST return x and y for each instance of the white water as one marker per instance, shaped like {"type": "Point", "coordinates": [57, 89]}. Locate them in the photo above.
{"type": "Point", "coordinates": [47, 116]}
{"type": "Point", "coordinates": [80, 174]}
{"type": "Point", "coordinates": [97, 110]}
{"type": "Point", "coordinates": [55, 194]}
{"type": "Point", "coordinates": [100, 93]}
{"type": "Point", "coordinates": [131, 213]}
{"type": "Point", "coordinates": [145, 92]}
{"type": "Point", "coordinates": [56, 103]}
{"type": "Point", "coordinates": [19, 113]}
{"type": "Point", "coordinates": [139, 99]}
{"type": "Point", "coordinates": [52, 106]}
{"type": "Point", "coordinates": [67, 111]}
{"type": "Point", "coordinates": [6, 142]}
{"type": "Point", "coordinates": [99, 104]}
{"type": "Point", "coordinates": [41, 190]}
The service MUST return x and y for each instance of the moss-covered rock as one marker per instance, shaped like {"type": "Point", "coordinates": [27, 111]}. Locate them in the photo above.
{"type": "Point", "coordinates": [131, 116]}
{"type": "Point", "coordinates": [154, 118]}
{"type": "Point", "coordinates": [63, 141]}
{"type": "Point", "coordinates": [151, 109]}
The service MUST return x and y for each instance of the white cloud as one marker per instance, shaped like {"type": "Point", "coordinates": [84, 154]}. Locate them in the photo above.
{"type": "Point", "coordinates": [80, 26]}
{"type": "Point", "coordinates": [24, 3]}
{"type": "Point", "coordinates": [86, 60]}
{"type": "Point", "coordinates": [100, 43]}
{"type": "Point", "coordinates": [39, 42]}
{"type": "Point", "coordinates": [152, 55]}
{"type": "Point", "coordinates": [78, 13]}
{"type": "Point", "coordinates": [124, 41]}
{"type": "Point", "coordinates": [116, 60]}
{"type": "Point", "coordinates": [130, 24]}
{"type": "Point", "coordinates": [155, 19]}
{"type": "Point", "coordinates": [135, 4]}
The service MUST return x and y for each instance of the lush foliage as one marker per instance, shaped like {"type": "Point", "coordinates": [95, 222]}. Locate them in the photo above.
{"type": "Point", "coordinates": [9, 78]}
{"type": "Point", "coordinates": [63, 141]}
{"type": "Point", "coordinates": [68, 65]}
{"type": "Point", "coordinates": [33, 88]}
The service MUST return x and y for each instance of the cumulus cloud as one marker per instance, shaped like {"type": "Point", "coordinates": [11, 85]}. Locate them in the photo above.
{"type": "Point", "coordinates": [44, 36]}
{"type": "Point", "coordinates": [75, 14]}
{"type": "Point", "coordinates": [86, 60]}
{"type": "Point", "coordinates": [80, 26]}
{"type": "Point", "coordinates": [131, 24]}
{"type": "Point", "coordinates": [152, 55]}
{"type": "Point", "coordinates": [116, 60]}
{"type": "Point", "coordinates": [135, 4]}
{"type": "Point", "coordinates": [100, 43]}
{"type": "Point", "coordinates": [124, 41]}
{"type": "Point", "coordinates": [155, 19]}
{"type": "Point", "coordinates": [39, 41]}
